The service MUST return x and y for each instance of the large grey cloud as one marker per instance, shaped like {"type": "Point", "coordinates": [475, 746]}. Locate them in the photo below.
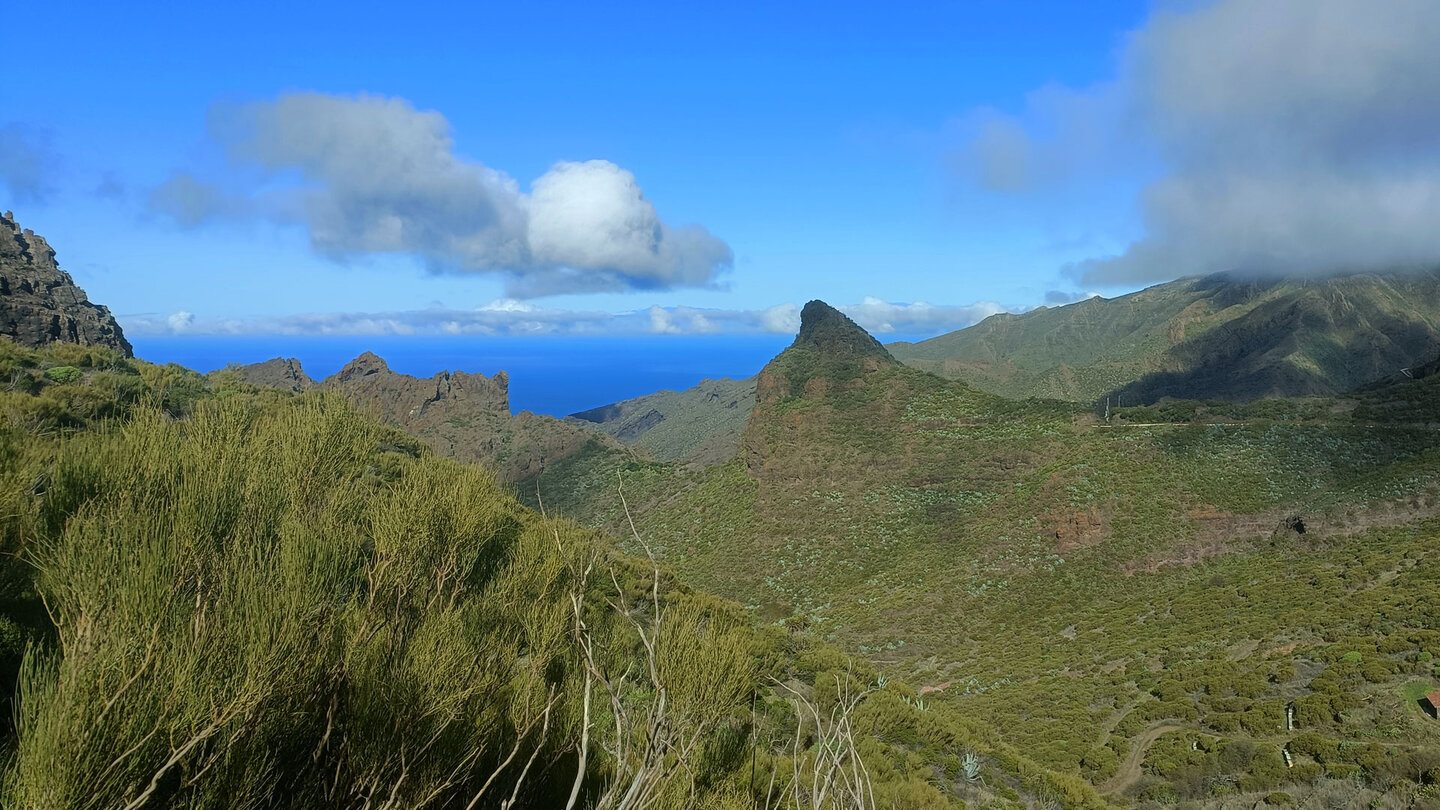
{"type": "Point", "coordinates": [1294, 136]}
{"type": "Point", "coordinates": [515, 317]}
{"type": "Point", "coordinates": [26, 163]}
{"type": "Point", "coordinates": [379, 176]}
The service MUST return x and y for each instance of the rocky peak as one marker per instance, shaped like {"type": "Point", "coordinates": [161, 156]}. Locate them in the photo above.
{"type": "Point", "coordinates": [831, 353]}
{"type": "Point", "coordinates": [39, 302]}
{"type": "Point", "coordinates": [365, 365]}
{"type": "Point", "coordinates": [284, 373]}
{"type": "Point", "coordinates": [835, 336]}
{"type": "Point", "coordinates": [402, 399]}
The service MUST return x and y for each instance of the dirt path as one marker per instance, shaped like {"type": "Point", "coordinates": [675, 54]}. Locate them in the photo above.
{"type": "Point", "coordinates": [1130, 770]}
{"type": "Point", "coordinates": [1108, 727]}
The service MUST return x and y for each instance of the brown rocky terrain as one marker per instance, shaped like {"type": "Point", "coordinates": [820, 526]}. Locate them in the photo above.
{"type": "Point", "coordinates": [40, 303]}
{"type": "Point", "coordinates": [284, 373]}
{"type": "Point", "coordinates": [463, 416]}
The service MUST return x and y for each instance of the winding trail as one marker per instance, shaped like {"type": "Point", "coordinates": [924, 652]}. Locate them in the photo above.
{"type": "Point", "coordinates": [1130, 770]}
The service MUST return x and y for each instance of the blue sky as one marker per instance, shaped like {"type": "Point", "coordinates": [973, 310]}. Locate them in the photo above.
{"type": "Point", "coordinates": [972, 155]}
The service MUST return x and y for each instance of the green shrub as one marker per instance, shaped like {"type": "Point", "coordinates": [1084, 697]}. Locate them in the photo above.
{"type": "Point", "coordinates": [64, 375]}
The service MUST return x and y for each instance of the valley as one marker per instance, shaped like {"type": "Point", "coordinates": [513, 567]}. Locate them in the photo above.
{"type": "Point", "coordinates": [1046, 602]}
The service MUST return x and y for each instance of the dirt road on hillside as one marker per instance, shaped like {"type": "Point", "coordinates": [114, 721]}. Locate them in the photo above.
{"type": "Point", "coordinates": [1130, 770]}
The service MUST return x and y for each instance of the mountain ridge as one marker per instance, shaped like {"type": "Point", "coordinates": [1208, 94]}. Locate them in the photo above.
{"type": "Point", "coordinates": [459, 415]}
{"type": "Point", "coordinates": [1221, 337]}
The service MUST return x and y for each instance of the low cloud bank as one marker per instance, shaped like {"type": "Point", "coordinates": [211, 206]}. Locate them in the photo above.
{"type": "Point", "coordinates": [514, 317]}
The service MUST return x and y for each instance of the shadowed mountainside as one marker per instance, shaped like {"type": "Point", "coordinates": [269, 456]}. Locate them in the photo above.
{"type": "Point", "coordinates": [1218, 337]}
{"type": "Point", "coordinates": [700, 425]}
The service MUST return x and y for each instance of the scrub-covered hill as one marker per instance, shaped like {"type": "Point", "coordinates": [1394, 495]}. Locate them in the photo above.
{"type": "Point", "coordinates": [1106, 594]}
{"type": "Point", "coordinates": [1219, 337]}
{"type": "Point", "coordinates": [700, 425]}
{"type": "Point", "coordinates": [214, 595]}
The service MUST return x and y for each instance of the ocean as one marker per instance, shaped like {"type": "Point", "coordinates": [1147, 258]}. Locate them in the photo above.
{"type": "Point", "coordinates": [548, 375]}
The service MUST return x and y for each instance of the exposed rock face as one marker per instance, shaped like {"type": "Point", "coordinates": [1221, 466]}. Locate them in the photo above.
{"type": "Point", "coordinates": [278, 372]}
{"type": "Point", "coordinates": [835, 336]}
{"type": "Point", "coordinates": [403, 400]}
{"type": "Point", "coordinates": [463, 416]}
{"type": "Point", "coordinates": [39, 302]}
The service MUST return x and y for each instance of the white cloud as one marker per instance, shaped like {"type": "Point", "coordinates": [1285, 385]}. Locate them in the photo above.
{"type": "Point", "coordinates": [881, 317]}
{"type": "Point", "coordinates": [661, 323]}
{"type": "Point", "coordinates": [782, 318]}
{"type": "Point", "coordinates": [507, 305]}
{"type": "Point", "coordinates": [1295, 137]}
{"type": "Point", "coordinates": [180, 321]}
{"type": "Point", "coordinates": [379, 176]}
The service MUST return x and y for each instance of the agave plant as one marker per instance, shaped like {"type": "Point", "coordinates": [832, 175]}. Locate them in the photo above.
{"type": "Point", "coordinates": [970, 767]}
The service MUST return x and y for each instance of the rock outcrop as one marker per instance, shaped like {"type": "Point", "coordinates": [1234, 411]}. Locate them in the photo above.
{"type": "Point", "coordinates": [39, 302]}
{"type": "Point", "coordinates": [403, 400]}
{"type": "Point", "coordinates": [831, 354]}
{"type": "Point", "coordinates": [831, 333]}
{"type": "Point", "coordinates": [284, 373]}
{"type": "Point", "coordinates": [463, 416]}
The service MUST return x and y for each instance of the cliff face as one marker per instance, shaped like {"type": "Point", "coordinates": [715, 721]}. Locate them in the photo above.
{"type": "Point", "coordinates": [39, 302]}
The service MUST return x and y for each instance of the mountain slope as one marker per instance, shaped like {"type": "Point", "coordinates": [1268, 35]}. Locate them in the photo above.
{"type": "Point", "coordinates": [700, 425]}
{"type": "Point", "coordinates": [1005, 552]}
{"type": "Point", "coordinates": [1217, 337]}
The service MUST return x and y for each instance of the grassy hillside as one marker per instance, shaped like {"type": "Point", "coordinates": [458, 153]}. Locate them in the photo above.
{"type": "Point", "coordinates": [215, 595]}
{"type": "Point", "coordinates": [1217, 337]}
{"type": "Point", "coordinates": [1105, 593]}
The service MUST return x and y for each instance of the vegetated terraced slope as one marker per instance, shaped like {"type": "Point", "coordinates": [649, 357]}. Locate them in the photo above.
{"type": "Point", "coordinates": [1191, 564]}
{"type": "Point", "coordinates": [1218, 337]}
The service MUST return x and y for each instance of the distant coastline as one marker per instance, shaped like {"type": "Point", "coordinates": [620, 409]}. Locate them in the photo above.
{"type": "Point", "coordinates": [550, 375]}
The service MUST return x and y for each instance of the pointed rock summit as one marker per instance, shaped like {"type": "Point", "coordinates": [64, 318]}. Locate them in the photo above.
{"type": "Point", "coordinates": [365, 365]}
{"type": "Point", "coordinates": [830, 354]}
{"type": "Point", "coordinates": [40, 303]}
{"type": "Point", "coordinates": [829, 330]}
